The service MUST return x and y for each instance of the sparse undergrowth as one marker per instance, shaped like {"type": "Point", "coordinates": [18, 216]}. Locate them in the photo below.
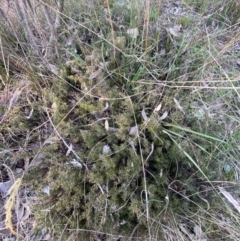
{"type": "Point", "coordinates": [128, 129]}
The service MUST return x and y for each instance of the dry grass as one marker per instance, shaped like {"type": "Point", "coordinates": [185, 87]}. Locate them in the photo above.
{"type": "Point", "coordinates": [169, 71]}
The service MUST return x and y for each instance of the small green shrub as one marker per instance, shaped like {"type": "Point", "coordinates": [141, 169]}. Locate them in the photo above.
{"type": "Point", "coordinates": [128, 133]}
{"type": "Point", "coordinates": [122, 149]}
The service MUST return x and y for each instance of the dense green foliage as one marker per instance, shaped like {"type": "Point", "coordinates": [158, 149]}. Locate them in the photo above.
{"type": "Point", "coordinates": [125, 126]}
{"type": "Point", "coordinates": [116, 129]}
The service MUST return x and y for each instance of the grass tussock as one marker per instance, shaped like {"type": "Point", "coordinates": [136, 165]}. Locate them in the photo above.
{"type": "Point", "coordinates": [122, 118]}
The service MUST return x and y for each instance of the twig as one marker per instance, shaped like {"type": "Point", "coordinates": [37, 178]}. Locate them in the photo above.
{"type": "Point", "coordinates": [133, 232]}
{"type": "Point", "coordinates": [144, 174]}
{"type": "Point", "coordinates": [112, 31]}
{"type": "Point", "coordinates": [151, 152]}
{"type": "Point", "coordinates": [65, 143]}
{"type": "Point", "coordinates": [58, 17]}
